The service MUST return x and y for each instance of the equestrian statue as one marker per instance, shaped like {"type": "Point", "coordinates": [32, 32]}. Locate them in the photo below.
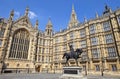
{"type": "Point", "coordinates": [72, 54]}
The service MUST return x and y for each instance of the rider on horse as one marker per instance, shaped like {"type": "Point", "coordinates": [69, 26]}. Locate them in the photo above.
{"type": "Point", "coordinates": [71, 50]}
{"type": "Point", "coordinates": [72, 54]}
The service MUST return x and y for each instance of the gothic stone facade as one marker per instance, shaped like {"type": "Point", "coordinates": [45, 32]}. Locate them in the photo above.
{"type": "Point", "coordinates": [24, 48]}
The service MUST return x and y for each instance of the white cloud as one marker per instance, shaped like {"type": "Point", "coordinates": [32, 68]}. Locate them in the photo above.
{"type": "Point", "coordinates": [17, 14]}
{"type": "Point", "coordinates": [32, 15]}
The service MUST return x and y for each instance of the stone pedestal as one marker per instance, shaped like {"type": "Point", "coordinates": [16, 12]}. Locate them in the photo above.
{"type": "Point", "coordinates": [72, 73]}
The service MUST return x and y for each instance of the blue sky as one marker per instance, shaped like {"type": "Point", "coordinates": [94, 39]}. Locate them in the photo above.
{"type": "Point", "coordinates": [58, 10]}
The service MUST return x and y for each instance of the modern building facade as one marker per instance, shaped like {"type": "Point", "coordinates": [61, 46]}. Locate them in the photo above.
{"type": "Point", "coordinates": [24, 48]}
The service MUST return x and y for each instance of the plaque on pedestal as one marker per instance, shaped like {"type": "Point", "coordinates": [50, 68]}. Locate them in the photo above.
{"type": "Point", "coordinates": [72, 73]}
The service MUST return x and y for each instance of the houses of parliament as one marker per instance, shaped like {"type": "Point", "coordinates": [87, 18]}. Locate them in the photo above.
{"type": "Point", "coordinates": [26, 49]}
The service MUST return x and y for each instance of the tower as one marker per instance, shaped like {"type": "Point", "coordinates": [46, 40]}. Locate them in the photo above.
{"type": "Point", "coordinates": [26, 11]}
{"type": "Point", "coordinates": [36, 24]}
{"type": "Point", "coordinates": [73, 19]}
{"type": "Point", "coordinates": [48, 30]}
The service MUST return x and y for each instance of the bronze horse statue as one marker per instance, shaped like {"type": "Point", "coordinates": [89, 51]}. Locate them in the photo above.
{"type": "Point", "coordinates": [73, 54]}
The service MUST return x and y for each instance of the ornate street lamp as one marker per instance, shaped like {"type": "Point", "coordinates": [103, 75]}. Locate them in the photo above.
{"type": "Point", "coordinates": [88, 61]}
{"type": "Point", "coordinates": [102, 67]}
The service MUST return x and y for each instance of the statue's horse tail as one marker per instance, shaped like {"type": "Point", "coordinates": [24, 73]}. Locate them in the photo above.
{"type": "Point", "coordinates": [64, 55]}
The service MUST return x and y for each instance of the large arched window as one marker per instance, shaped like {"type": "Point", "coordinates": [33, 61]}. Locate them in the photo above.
{"type": "Point", "coordinates": [20, 44]}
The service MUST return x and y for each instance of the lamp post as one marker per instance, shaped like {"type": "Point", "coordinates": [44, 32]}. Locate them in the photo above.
{"type": "Point", "coordinates": [47, 68]}
{"type": "Point", "coordinates": [102, 67]}
{"type": "Point", "coordinates": [85, 70]}
{"type": "Point", "coordinates": [87, 66]}
{"type": "Point", "coordinates": [34, 66]}
{"type": "Point", "coordinates": [54, 70]}
{"type": "Point", "coordinates": [3, 67]}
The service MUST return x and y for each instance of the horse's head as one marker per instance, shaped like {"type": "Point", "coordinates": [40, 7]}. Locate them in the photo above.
{"type": "Point", "coordinates": [79, 51]}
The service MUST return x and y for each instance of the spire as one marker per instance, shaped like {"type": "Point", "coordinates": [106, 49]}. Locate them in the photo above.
{"type": "Point", "coordinates": [48, 30]}
{"type": "Point", "coordinates": [73, 19]}
{"type": "Point", "coordinates": [97, 15]}
{"type": "Point", "coordinates": [36, 24]}
{"type": "Point", "coordinates": [49, 22]}
{"type": "Point", "coordinates": [110, 10]}
{"type": "Point", "coordinates": [73, 7]}
{"type": "Point", "coordinates": [26, 11]}
{"type": "Point", "coordinates": [11, 15]}
{"type": "Point", "coordinates": [73, 15]}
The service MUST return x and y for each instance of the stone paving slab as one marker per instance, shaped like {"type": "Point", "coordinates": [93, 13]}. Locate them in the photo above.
{"type": "Point", "coordinates": [29, 76]}
{"type": "Point", "coordinates": [47, 76]}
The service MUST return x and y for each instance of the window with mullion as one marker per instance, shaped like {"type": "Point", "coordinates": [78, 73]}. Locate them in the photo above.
{"type": "Point", "coordinates": [109, 38]}
{"type": "Point", "coordinates": [2, 32]}
{"type": "Point", "coordinates": [56, 49]}
{"type": "Point", "coordinates": [56, 40]}
{"type": "Point", "coordinates": [64, 48]}
{"type": "Point", "coordinates": [92, 29]}
{"type": "Point", "coordinates": [64, 38]}
{"type": "Point", "coordinates": [95, 53]}
{"type": "Point", "coordinates": [106, 26]}
{"type": "Point", "coordinates": [71, 35]}
{"type": "Point", "coordinates": [119, 19]}
{"type": "Point", "coordinates": [94, 41]}
{"type": "Point", "coordinates": [82, 33]}
{"type": "Point", "coordinates": [83, 44]}
{"type": "Point", "coordinates": [114, 67]}
{"type": "Point", "coordinates": [97, 67]}
{"type": "Point", "coordinates": [111, 52]}
{"type": "Point", "coordinates": [17, 45]}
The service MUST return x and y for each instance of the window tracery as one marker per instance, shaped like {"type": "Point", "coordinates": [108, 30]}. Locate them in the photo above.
{"type": "Point", "coordinates": [20, 45]}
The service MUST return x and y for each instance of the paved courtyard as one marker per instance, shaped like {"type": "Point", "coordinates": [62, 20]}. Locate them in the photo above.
{"type": "Point", "coordinates": [46, 76]}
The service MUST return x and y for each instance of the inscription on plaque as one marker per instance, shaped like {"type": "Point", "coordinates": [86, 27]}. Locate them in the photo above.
{"type": "Point", "coordinates": [70, 72]}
